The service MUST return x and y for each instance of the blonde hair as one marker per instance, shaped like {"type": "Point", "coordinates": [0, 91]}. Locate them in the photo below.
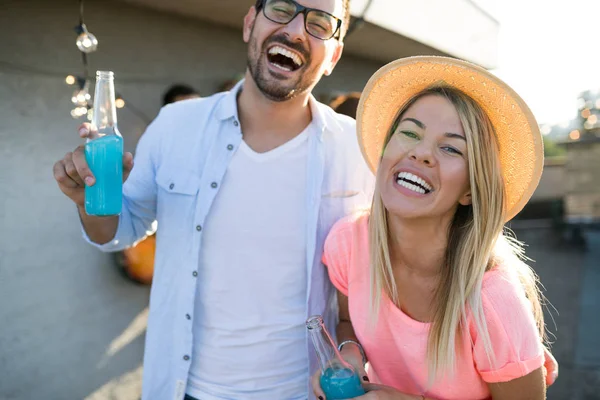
{"type": "Point", "coordinates": [476, 243]}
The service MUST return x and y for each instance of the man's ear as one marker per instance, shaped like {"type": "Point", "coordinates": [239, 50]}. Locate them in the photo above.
{"type": "Point", "coordinates": [249, 23]}
{"type": "Point", "coordinates": [466, 199]}
{"type": "Point", "coordinates": [337, 54]}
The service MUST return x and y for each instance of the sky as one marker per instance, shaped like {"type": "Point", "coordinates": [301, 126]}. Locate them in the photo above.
{"type": "Point", "coordinates": [548, 52]}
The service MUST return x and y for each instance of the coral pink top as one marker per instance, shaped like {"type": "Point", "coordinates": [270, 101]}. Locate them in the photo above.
{"type": "Point", "coordinates": [396, 345]}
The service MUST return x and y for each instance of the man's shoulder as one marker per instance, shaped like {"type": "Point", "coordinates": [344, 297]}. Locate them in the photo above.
{"type": "Point", "coordinates": [337, 124]}
{"type": "Point", "coordinates": [198, 105]}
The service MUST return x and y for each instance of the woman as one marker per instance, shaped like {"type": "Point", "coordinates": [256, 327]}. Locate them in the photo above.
{"type": "Point", "coordinates": [428, 285]}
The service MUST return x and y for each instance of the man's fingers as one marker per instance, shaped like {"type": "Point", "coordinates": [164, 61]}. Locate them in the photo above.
{"type": "Point", "coordinates": [127, 160]}
{"type": "Point", "coordinates": [71, 170]}
{"type": "Point", "coordinates": [61, 176]}
{"type": "Point", "coordinates": [127, 164]}
{"type": "Point", "coordinates": [551, 366]}
{"type": "Point", "coordinates": [86, 130]}
{"type": "Point", "coordinates": [82, 166]}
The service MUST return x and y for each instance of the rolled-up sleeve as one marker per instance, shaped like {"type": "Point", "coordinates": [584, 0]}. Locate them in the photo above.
{"type": "Point", "coordinates": [138, 213]}
{"type": "Point", "coordinates": [515, 339]}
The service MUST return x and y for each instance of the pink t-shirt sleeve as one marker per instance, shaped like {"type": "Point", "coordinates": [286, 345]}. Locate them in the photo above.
{"type": "Point", "coordinates": [336, 253]}
{"type": "Point", "coordinates": [514, 336]}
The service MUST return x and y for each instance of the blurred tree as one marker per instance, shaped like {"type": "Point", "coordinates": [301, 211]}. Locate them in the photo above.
{"type": "Point", "coordinates": [552, 149]}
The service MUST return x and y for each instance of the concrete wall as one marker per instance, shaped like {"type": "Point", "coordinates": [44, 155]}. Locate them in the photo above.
{"type": "Point", "coordinates": [553, 185]}
{"type": "Point", "coordinates": [70, 325]}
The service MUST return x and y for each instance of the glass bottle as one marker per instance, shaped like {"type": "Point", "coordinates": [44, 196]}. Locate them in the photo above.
{"type": "Point", "coordinates": [339, 380]}
{"type": "Point", "coordinates": [104, 151]}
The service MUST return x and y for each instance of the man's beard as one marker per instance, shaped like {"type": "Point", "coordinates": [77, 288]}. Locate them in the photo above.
{"type": "Point", "coordinates": [273, 88]}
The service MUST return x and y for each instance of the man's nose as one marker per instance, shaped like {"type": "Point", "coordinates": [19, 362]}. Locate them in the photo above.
{"type": "Point", "coordinates": [295, 29]}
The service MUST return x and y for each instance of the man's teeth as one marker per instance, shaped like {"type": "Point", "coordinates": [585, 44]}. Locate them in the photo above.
{"type": "Point", "coordinates": [404, 176]}
{"type": "Point", "coordinates": [287, 53]}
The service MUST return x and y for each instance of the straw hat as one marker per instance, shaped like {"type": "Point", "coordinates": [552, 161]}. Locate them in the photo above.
{"type": "Point", "coordinates": [519, 138]}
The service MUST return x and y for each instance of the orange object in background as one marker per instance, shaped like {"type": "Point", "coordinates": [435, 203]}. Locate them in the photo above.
{"type": "Point", "coordinates": [138, 262]}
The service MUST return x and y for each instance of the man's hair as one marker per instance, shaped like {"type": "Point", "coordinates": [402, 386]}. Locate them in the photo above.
{"type": "Point", "coordinates": [177, 90]}
{"type": "Point", "coordinates": [345, 18]}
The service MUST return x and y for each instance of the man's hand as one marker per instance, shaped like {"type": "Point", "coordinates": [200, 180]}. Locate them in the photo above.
{"type": "Point", "coordinates": [72, 173]}
{"type": "Point", "coordinates": [550, 367]}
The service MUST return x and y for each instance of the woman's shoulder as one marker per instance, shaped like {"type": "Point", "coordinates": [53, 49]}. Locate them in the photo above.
{"type": "Point", "coordinates": [357, 222]}
{"type": "Point", "coordinates": [503, 295]}
{"type": "Point", "coordinates": [502, 278]}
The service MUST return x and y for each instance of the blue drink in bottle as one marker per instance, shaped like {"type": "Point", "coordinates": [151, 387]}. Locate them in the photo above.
{"type": "Point", "coordinates": [104, 152]}
{"type": "Point", "coordinates": [339, 380]}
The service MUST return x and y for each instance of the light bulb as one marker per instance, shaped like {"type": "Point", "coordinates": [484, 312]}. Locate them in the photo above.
{"type": "Point", "coordinates": [81, 111]}
{"type": "Point", "coordinates": [74, 113]}
{"type": "Point", "coordinates": [86, 42]}
{"type": "Point", "coordinates": [70, 79]}
{"type": "Point", "coordinates": [119, 103]}
{"type": "Point", "coordinates": [81, 97]}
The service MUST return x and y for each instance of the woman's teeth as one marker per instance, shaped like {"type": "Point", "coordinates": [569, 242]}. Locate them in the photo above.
{"type": "Point", "coordinates": [413, 182]}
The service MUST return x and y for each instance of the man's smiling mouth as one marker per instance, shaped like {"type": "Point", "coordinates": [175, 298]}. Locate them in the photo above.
{"type": "Point", "coordinates": [285, 59]}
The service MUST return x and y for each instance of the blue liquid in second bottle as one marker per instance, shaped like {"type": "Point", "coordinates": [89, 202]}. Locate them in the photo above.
{"type": "Point", "coordinates": [339, 384]}
{"type": "Point", "coordinates": [105, 159]}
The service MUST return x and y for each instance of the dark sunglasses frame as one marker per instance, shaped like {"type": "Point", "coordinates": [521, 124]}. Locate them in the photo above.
{"type": "Point", "coordinates": [300, 9]}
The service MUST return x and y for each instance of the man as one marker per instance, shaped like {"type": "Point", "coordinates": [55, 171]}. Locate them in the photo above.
{"type": "Point", "coordinates": [245, 186]}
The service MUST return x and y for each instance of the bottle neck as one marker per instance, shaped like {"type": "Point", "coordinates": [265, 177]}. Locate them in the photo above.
{"type": "Point", "coordinates": [104, 118]}
{"type": "Point", "coordinates": [327, 352]}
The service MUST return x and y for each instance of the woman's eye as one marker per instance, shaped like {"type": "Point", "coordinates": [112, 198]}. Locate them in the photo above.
{"type": "Point", "coordinates": [451, 150]}
{"type": "Point", "coordinates": [410, 134]}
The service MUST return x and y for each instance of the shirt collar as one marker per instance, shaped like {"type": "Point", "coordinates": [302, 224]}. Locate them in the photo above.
{"type": "Point", "coordinates": [321, 120]}
{"type": "Point", "coordinates": [227, 107]}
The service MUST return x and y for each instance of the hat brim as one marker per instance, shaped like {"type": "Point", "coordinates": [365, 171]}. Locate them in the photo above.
{"type": "Point", "coordinates": [519, 138]}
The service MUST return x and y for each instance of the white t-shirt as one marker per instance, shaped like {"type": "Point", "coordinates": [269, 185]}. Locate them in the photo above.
{"type": "Point", "coordinates": [249, 318]}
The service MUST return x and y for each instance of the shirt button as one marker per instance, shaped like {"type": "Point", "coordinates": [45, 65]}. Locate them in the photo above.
{"type": "Point", "coordinates": [229, 147]}
{"type": "Point", "coordinates": [195, 273]}
{"type": "Point", "coordinates": [213, 185]}
{"type": "Point", "coordinates": [186, 357]}
{"type": "Point", "coordinates": [171, 186]}
{"type": "Point", "coordinates": [198, 228]}
{"type": "Point", "coordinates": [235, 123]}
{"type": "Point", "coordinates": [188, 316]}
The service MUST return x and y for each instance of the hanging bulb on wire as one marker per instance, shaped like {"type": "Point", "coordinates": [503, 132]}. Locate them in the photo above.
{"type": "Point", "coordinates": [86, 42]}
{"type": "Point", "coordinates": [79, 112]}
{"type": "Point", "coordinates": [119, 102]}
{"type": "Point", "coordinates": [81, 96]}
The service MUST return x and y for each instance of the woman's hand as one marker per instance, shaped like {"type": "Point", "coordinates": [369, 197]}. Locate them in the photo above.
{"type": "Point", "coordinates": [351, 354]}
{"type": "Point", "coordinates": [381, 392]}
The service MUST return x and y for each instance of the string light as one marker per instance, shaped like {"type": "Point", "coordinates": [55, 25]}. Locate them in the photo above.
{"type": "Point", "coordinates": [86, 42]}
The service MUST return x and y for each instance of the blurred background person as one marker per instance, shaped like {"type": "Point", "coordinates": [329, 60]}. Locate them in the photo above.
{"type": "Point", "coordinates": [179, 92]}
{"type": "Point", "coordinates": [346, 104]}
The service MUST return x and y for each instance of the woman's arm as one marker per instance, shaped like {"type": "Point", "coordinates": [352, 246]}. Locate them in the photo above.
{"type": "Point", "coordinates": [350, 352]}
{"type": "Point", "coordinates": [528, 387]}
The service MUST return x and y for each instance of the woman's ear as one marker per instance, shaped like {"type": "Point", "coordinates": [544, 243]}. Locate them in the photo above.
{"type": "Point", "coordinates": [466, 200]}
